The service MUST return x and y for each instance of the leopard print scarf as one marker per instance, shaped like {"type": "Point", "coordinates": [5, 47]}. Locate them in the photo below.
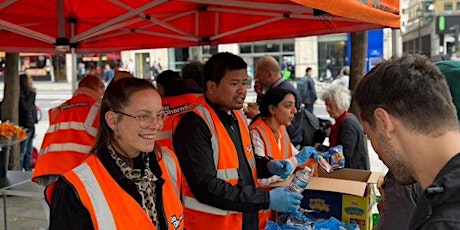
{"type": "Point", "coordinates": [145, 183]}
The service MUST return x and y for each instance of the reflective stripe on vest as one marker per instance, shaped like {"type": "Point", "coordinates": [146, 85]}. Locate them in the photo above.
{"type": "Point", "coordinates": [165, 134]}
{"type": "Point", "coordinates": [268, 138]}
{"type": "Point", "coordinates": [192, 203]}
{"type": "Point", "coordinates": [87, 125]}
{"type": "Point", "coordinates": [223, 174]}
{"type": "Point", "coordinates": [105, 218]}
{"type": "Point", "coordinates": [66, 147]}
{"type": "Point", "coordinates": [172, 169]}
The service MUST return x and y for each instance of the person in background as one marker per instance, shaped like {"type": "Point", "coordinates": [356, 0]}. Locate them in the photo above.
{"type": "Point", "coordinates": [268, 76]}
{"type": "Point", "coordinates": [307, 90]}
{"type": "Point", "coordinates": [346, 131]}
{"type": "Point", "coordinates": [27, 119]}
{"type": "Point", "coordinates": [127, 182]}
{"type": "Point", "coordinates": [399, 201]}
{"type": "Point", "coordinates": [108, 74]}
{"type": "Point", "coordinates": [413, 126]}
{"type": "Point", "coordinates": [215, 153]}
{"type": "Point", "coordinates": [177, 94]}
{"type": "Point", "coordinates": [192, 73]}
{"type": "Point", "coordinates": [71, 133]}
{"type": "Point", "coordinates": [130, 66]}
{"type": "Point", "coordinates": [164, 82]}
{"type": "Point", "coordinates": [155, 70]}
{"type": "Point", "coordinates": [270, 138]}
{"type": "Point", "coordinates": [343, 78]}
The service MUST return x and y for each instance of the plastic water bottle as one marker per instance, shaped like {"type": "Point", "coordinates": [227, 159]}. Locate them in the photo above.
{"type": "Point", "coordinates": [300, 180]}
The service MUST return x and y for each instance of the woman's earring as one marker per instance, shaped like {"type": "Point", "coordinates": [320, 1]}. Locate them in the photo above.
{"type": "Point", "coordinates": [116, 136]}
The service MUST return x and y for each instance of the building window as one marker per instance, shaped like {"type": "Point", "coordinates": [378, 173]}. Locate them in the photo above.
{"type": "Point", "coordinates": [267, 48]}
{"type": "Point", "coordinates": [245, 48]}
{"type": "Point", "coordinates": [458, 5]}
{"type": "Point", "coordinates": [288, 47]}
{"type": "Point", "coordinates": [178, 57]}
{"type": "Point", "coordinates": [447, 6]}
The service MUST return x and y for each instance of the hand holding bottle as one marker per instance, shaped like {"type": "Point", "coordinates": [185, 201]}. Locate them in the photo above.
{"type": "Point", "coordinates": [282, 200]}
{"type": "Point", "coordinates": [305, 154]}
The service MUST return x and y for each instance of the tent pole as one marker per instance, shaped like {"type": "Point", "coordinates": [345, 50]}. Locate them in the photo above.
{"type": "Point", "coordinates": [74, 60]}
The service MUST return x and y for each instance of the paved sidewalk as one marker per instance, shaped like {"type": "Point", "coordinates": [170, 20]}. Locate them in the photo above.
{"type": "Point", "coordinates": [47, 90]}
{"type": "Point", "coordinates": [24, 213]}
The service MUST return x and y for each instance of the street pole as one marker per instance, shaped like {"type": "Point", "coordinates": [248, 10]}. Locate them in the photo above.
{"type": "Point", "coordinates": [456, 28]}
{"type": "Point", "coordinates": [420, 18]}
{"type": "Point", "coordinates": [419, 36]}
{"type": "Point", "coordinates": [456, 40]}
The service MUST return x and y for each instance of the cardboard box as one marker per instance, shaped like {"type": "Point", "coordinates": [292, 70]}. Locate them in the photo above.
{"type": "Point", "coordinates": [346, 194]}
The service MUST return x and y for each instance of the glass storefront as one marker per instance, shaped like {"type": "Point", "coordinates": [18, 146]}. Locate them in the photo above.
{"type": "Point", "coordinates": [178, 57]}
{"type": "Point", "coordinates": [282, 50]}
{"type": "Point", "coordinates": [331, 55]}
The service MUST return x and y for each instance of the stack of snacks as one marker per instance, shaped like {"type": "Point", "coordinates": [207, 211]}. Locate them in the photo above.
{"type": "Point", "coordinates": [332, 159]}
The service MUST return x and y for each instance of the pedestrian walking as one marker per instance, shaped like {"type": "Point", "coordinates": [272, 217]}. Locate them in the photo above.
{"type": "Point", "coordinates": [307, 90]}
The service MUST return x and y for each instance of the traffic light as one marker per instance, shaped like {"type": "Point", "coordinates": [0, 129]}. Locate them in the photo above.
{"type": "Point", "coordinates": [428, 6]}
{"type": "Point", "coordinates": [442, 24]}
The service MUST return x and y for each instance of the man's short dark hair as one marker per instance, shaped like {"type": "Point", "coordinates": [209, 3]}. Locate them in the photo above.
{"type": "Point", "coordinates": [412, 89]}
{"type": "Point", "coordinates": [216, 67]}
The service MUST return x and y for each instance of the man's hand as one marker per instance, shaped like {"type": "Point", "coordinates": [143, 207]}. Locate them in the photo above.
{"type": "Point", "coordinates": [251, 110]}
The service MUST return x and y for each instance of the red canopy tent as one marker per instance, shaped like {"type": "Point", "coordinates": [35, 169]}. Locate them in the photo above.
{"type": "Point", "coordinates": [113, 25]}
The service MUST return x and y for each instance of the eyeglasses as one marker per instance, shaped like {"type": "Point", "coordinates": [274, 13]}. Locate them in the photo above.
{"type": "Point", "coordinates": [146, 120]}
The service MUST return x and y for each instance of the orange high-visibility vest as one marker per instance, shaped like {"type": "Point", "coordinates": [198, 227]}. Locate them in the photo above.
{"type": "Point", "coordinates": [69, 138]}
{"type": "Point", "coordinates": [175, 107]}
{"type": "Point", "coordinates": [201, 216]}
{"type": "Point", "coordinates": [270, 142]}
{"type": "Point", "coordinates": [272, 150]}
{"type": "Point", "coordinates": [110, 207]}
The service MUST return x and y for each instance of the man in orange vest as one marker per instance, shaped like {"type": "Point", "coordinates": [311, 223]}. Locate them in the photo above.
{"type": "Point", "coordinates": [177, 94]}
{"type": "Point", "coordinates": [72, 131]}
{"type": "Point", "coordinates": [215, 153]}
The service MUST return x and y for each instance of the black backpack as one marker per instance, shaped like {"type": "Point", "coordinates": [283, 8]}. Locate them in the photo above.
{"type": "Point", "coordinates": [314, 129]}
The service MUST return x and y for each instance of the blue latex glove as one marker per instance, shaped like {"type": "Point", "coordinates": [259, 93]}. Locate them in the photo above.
{"type": "Point", "coordinates": [305, 154]}
{"type": "Point", "coordinates": [280, 168]}
{"type": "Point", "coordinates": [284, 201]}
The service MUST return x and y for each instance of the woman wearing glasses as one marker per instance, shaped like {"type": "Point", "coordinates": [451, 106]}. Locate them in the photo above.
{"type": "Point", "coordinates": [127, 182]}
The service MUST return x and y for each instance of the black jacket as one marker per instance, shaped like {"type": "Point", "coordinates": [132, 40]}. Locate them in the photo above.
{"type": "Point", "coordinates": [192, 143]}
{"type": "Point", "coordinates": [398, 205]}
{"type": "Point", "coordinates": [351, 137]}
{"type": "Point", "coordinates": [27, 109]}
{"type": "Point", "coordinates": [67, 211]}
{"type": "Point", "coordinates": [439, 206]}
{"type": "Point", "coordinates": [307, 90]}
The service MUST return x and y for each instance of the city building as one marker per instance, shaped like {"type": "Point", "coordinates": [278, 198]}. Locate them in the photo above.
{"type": "Point", "coordinates": [294, 55]}
{"type": "Point", "coordinates": [432, 28]}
